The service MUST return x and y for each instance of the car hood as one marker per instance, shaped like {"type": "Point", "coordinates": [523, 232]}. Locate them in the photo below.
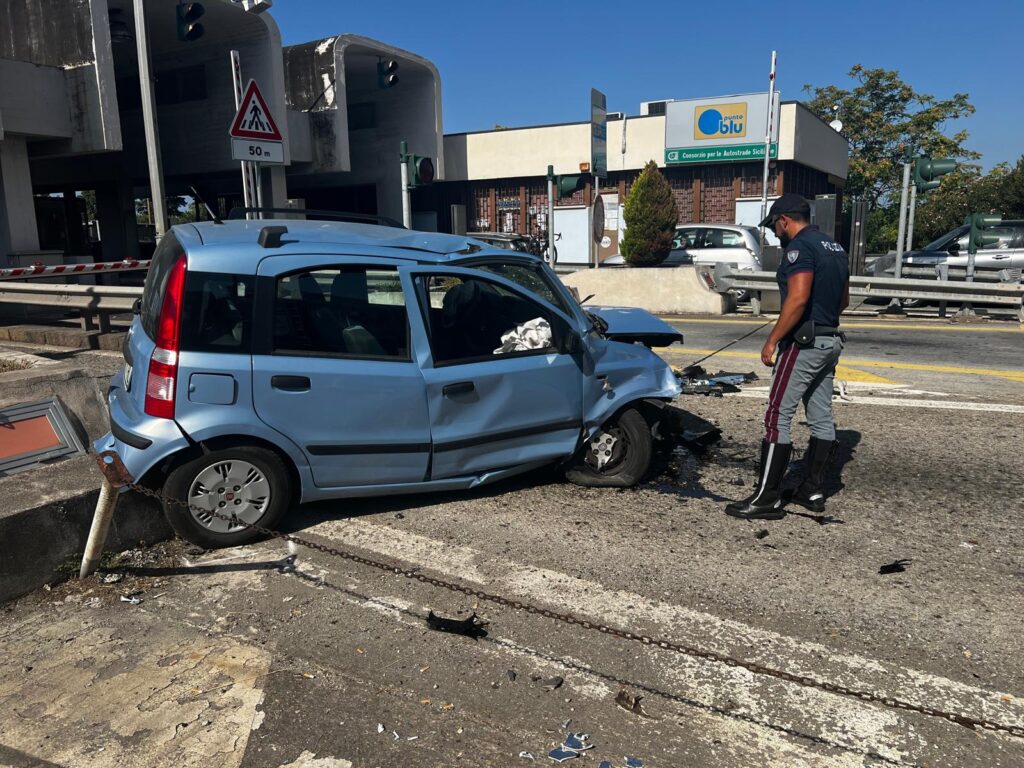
{"type": "Point", "coordinates": [630, 324]}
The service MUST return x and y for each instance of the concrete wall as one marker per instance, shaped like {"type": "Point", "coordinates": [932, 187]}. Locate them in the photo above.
{"type": "Point", "coordinates": [17, 210]}
{"type": "Point", "coordinates": [519, 152]}
{"type": "Point", "coordinates": [666, 290]}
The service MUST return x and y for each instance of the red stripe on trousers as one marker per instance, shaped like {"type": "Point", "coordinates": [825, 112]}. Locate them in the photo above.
{"type": "Point", "coordinates": [771, 418]}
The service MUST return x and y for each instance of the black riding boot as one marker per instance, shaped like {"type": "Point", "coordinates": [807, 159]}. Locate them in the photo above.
{"type": "Point", "coordinates": [810, 494]}
{"type": "Point", "coordinates": [765, 503]}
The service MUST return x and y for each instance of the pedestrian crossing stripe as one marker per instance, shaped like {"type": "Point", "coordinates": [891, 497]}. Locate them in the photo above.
{"type": "Point", "coordinates": [253, 119]}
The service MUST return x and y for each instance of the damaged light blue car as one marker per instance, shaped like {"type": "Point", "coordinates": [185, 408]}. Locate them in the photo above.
{"type": "Point", "coordinates": [274, 364]}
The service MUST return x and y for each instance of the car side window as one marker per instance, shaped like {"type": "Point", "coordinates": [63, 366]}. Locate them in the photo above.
{"type": "Point", "coordinates": [472, 319]}
{"type": "Point", "coordinates": [1005, 235]}
{"type": "Point", "coordinates": [530, 278]}
{"type": "Point", "coordinates": [722, 238]}
{"type": "Point", "coordinates": [341, 312]}
{"type": "Point", "coordinates": [686, 238]}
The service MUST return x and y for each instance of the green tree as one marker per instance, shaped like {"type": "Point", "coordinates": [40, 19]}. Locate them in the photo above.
{"type": "Point", "coordinates": [650, 219]}
{"type": "Point", "coordinates": [882, 116]}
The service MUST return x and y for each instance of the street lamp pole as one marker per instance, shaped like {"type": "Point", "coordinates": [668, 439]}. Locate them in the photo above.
{"type": "Point", "coordinates": [156, 177]}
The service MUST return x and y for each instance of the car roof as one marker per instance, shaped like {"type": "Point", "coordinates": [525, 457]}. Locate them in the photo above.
{"type": "Point", "coordinates": [719, 226]}
{"type": "Point", "coordinates": [233, 245]}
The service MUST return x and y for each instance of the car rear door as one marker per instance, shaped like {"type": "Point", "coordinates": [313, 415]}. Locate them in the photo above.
{"type": "Point", "coordinates": [333, 369]}
{"type": "Point", "coordinates": [493, 406]}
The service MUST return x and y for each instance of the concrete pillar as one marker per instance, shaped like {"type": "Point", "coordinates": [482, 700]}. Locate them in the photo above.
{"type": "Point", "coordinates": [18, 230]}
{"type": "Point", "coordinates": [115, 210]}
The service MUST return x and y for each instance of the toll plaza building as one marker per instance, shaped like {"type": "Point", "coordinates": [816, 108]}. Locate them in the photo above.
{"type": "Point", "coordinates": [496, 180]}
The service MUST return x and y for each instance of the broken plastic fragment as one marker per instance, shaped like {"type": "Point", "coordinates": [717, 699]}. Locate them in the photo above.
{"type": "Point", "coordinates": [632, 704]}
{"type": "Point", "coordinates": [380, 727]}
{"type": "Point", "coordinates": [634, 762]}
{"type": "Point", "coordinates": [527, 755]}
{"type": "Point", "coordinates": [560, 755]}
{"type": "Point", "coordinates": [133, 598]}
{"type": "Point", "coordinates": [469, 627]}
{"type": "Point", "coordinates": [395, 734]}
{"type": "Point", "coordinates": [576, 743]}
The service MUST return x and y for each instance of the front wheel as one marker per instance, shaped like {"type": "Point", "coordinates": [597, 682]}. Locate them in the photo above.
{"type": "Point", "coordinates": [226, 490]}
{"type": "Point", "coordinates": [617, 456]}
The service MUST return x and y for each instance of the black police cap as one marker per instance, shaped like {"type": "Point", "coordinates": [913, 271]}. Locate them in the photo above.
{"type": "Point", "coordinates": [788, 203]}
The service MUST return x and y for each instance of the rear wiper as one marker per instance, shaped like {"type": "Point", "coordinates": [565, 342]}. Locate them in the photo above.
{"type": "Point", "coordinates": [584, 301]}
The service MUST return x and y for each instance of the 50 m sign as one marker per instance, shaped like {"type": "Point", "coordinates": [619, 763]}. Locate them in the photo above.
{"type": "Point", "coordinates": [253, 151]}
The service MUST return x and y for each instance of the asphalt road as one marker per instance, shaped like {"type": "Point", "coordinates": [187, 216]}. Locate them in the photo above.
{"type": "Point", "coordinates": [228, 661]}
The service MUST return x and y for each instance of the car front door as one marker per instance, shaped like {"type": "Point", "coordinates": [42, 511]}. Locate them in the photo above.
{"type": "Point", "coordinates": [503, 382]}
{"type": "Point", "coordinates": [333, 369]}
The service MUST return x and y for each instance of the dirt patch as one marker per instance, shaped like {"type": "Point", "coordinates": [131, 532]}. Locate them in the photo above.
{"type": "Point", "coordinates": [12, 365]}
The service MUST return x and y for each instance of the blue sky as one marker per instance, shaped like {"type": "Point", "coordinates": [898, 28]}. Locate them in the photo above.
{"type": "Point", "coordinates": [529, 62]}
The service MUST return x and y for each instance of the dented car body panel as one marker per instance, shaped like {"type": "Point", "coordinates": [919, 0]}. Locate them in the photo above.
{"type": "Point", "coordinates": [380, 365]}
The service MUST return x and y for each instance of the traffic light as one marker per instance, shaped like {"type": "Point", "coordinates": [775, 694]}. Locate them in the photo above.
{"type": "Point", "coordinates": [927, 172]}
{"type": "Point", "coordinates": [567, 185]}
{"type": "Point", "coordinates": [421, 170]}
{"type": "Point", "coordinates": [978, 238]}
{"type": "Point", "coordinates": [387, 73]}
{"type": "Point", "coordinates": [189, 28]}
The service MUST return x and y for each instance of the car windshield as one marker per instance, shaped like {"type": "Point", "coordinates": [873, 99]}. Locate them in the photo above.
{"type": "Point", "coordinates": [943, 242]}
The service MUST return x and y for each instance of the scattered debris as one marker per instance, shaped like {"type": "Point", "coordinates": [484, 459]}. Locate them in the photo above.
{"type": "Point", "coordinates": [634, 762]}
{"type": "Point", "coordinates": [132, 598]}
{"type": "Point", "coordinates": [560, 755]}
{"type": "Point", "coordinates": [511, 675]}
{"type": "Point", "coordinates": [447, 707]}
{"type": "Point", "coordinates": [395, 734]}
{"type": "Point", "coordinates": [566, 724]}
{"type": "Point", "coordinates": [527, 755]}
{"type": "Point", "coordinates": [896, 566]}
{"type": "Point", "coordinates": [469, 627]}
{"type": "Point", "coordinates": [412, 738]}
{"type": "Point", "coordinates": [288, 599]}
{"type": "Point", "coordinates": [763, 533]}
{"type": "Point", "coordinates": [380, 727]}
{"type": "Point", "coordinates": [550, 683]}
{"type": "Point", "coordinates": [424, 669]}
{"type": "Point", "coordinates": [697, 381]}
{"type": "Point", "coordinates": [112, 578]}
{"type": "Point", "coordinates": [632, 704]}
{"type": "Point", "coordinates": [399, 516]}
{"type": "Point", "coordinates": [576, 742]}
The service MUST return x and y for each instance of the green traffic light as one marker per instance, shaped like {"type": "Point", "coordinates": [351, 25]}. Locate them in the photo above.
{"type": "Point", "coordinates": [568, 185]}
{"type": "Point", "coordinates": [189, 28]}
{"type": "Point", "coordinates": [978, 238]}
{"type": "Point", "coordinates": [927, 172]}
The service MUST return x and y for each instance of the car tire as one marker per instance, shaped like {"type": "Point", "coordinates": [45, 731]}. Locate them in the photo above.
{"type": "Point", "coordinates": [249, 481]}
{"type": "Point", "coordinates": [630, 454]}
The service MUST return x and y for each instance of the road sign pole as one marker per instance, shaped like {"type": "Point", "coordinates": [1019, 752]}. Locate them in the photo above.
{"type": "Point", "coordinates": [259, 187]}
{"type": "Point", "coordinates": [768, 143]}
{"type": "Point", "coordinates": [910, 218]}
{"type": "Point", "coordinates": [551, 216]}
{"type": "Point", "coordinates": [236, 74]}
{"type": "Point", "coordinates": [156, 178]}
{"type": "Point", "coordinates": [903, 220]}
{"type": "Point", "coordinates": [406, 203]}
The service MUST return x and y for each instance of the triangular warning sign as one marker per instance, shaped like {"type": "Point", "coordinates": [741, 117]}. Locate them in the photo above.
{"type": "Point", "coordinates": [253, 119]}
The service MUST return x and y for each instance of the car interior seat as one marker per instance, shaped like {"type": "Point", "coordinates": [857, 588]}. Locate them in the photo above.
{"type": "Point", "coordinates": [350, 303]}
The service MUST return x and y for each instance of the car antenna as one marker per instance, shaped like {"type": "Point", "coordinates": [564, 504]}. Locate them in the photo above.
{"type": "Point", "coordinates": [209, 210]}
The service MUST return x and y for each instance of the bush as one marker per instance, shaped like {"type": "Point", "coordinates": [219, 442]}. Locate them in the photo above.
{"type": "Point", "coordinates": [650, 219]}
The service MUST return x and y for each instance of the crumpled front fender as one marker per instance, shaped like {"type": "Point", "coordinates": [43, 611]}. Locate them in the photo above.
{"type": "Point", "coordinates": [623, 374]}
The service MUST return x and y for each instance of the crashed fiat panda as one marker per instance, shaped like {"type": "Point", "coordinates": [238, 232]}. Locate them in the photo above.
{"type": "Point", "coordinates": [269, 365]}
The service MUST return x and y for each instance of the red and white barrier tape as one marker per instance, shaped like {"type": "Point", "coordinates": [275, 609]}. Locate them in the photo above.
{"type": "Point", "coordinates": [39, 270]}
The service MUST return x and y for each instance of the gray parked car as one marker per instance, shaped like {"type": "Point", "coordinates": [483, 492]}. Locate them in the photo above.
{"type": "Point", "coordinates": [269, 364]}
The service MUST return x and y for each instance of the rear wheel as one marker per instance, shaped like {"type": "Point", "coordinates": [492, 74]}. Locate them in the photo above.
{"type": "Point", "coordinates": [225, 489]}
{"type": "Point", "coordinates": [617, 456]}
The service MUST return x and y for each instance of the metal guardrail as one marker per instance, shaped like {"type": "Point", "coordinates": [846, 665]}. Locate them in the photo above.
{"type": "Point", "coordinates": [1005, 294]}
{"type": "Point", "coordinates": [92, 301]}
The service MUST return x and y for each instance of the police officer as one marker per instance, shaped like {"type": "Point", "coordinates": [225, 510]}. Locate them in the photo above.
{"type": "Point", "coordinates": [814, 282]}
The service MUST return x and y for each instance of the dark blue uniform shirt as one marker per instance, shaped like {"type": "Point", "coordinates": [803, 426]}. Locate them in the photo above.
{"type": "Point", "coordinates": [813, 251]}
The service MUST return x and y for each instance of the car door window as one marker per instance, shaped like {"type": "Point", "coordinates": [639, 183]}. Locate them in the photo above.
{"type": "Point", "coordinates": [1005, 235]}
{"type": "Point", "coordinates": [722, 238]}
{"type": "Point", "coordinates": [341, 312]}
{"type": "Point", "coordinates": [530, 278]}
{"type": "Point", "coordinates": [471, 319]}
{"type": "Point", "coordinates": [685, 238]}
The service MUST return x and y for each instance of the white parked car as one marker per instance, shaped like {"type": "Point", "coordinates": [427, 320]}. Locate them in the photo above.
{"type": "Point", "coordinates": [716, 243]}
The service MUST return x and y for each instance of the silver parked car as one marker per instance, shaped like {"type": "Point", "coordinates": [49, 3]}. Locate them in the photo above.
{"type": "Point", "coordinates": [716, 243]}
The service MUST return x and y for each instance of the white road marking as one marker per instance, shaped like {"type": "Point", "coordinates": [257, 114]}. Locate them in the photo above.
{"type": "Point", "coordinates": [840, 720]}
{"type": "Point", "coordinates": [950, 405]}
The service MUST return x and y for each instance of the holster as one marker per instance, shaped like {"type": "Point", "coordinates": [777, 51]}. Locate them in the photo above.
{"type": "Point", "coordinates": [804, 335]}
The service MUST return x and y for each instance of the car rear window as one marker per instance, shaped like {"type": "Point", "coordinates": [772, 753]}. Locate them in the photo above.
{"type": "Point", "coordinates": [164, 259]}
{"type": "Point", "coordinates": [216, 315]}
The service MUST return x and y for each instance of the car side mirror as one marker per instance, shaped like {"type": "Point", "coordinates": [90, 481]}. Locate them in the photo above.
{"type": "Point", "coordinates": [137, 307]}
{"type": "Point", "coordinates": [954, 247]}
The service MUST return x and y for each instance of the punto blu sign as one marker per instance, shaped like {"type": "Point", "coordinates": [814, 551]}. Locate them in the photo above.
{"type": "Point", "coordinates": [723, 129]}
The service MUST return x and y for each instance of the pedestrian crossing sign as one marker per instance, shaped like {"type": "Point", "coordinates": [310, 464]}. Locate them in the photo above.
{"type": "Point", "coordinates": [253, 119]}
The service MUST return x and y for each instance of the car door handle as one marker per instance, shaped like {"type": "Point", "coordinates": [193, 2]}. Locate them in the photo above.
{"type": "Point", "coordinates": [459, 388]}
{"type": "Point", "coordinates": [290, 383]}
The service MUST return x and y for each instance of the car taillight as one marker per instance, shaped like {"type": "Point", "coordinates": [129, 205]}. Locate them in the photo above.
{"type": "Point", "coordinates": [163, 364]}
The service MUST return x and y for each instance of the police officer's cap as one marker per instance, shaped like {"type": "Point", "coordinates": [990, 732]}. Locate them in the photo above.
{"type": "Point", "coordinates": [788, 203]}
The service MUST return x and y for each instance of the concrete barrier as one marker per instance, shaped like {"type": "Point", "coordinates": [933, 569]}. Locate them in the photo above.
{"type": "Point", "coordinates": [663, 290]}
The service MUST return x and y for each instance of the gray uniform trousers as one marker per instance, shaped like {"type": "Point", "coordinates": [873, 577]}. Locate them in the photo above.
{"type": "Point", "coordinates": [803, 374]}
